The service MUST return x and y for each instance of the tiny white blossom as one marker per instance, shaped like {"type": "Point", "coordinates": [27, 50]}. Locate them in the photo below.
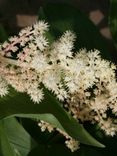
{"type": "Point", "coordinates": [41, 42]}
{"type": "Point", "coordinates": [40, 27]}
{"type": "Point", "coordinates": [3, 87]}
{"type": "Point", "coordinates": [72, 144]}
{"type": "Point", "coordinates": [35, 94]}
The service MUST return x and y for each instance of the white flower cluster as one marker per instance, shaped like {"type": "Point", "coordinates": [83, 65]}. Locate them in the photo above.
{"type": "Point", "coordinates": [71, 143]}
{"type": "Point", "coordinates": [3, 87]}
{"type": "Point", "coordinates": [83, 81]}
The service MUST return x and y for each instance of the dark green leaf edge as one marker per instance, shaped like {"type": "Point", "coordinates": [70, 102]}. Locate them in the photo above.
{"type": "Point", "coordinates": [5, 147]}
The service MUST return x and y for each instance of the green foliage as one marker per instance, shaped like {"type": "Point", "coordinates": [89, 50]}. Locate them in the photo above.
{"type": "Point", "coordinates": [5, 147]}
{"type": "Point", "coordinates": [14, 140]}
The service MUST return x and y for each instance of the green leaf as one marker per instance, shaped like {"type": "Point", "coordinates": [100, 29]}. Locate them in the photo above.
{"type": "Point", "coordinates": [72, 127]}
{"type": "Point", "coordinates": [49, 110]}
{"type": "Point", "coordinates": [62, 17]}
{"type": "Point", "coordinates": [19, 139]}
{"type": "Point", "coordinates": [5, 146]}
{"type": "Point", "coordinates": [113, 20]}
{"type": "Point", "coordinates": [14, 140]}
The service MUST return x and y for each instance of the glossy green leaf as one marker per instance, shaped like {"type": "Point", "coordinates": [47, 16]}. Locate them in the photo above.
{"type": "Point", "coordinates": [49, 110]}
{"type": "Point", "coordinates": [62, 17]}
{"type": "Point", "coordinates": [113, 20]}
{"type": "Point", "coordinates": [18, 138]}
{"type": "Point", "coordinates": [72, 127]}
{"type": "Point", "coordinates": [14, 140]}
{"type": "Point", "coordinates": [5, 146]}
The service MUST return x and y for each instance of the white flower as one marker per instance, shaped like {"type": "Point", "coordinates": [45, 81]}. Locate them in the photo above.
{"type": "Point", "coordinates": [45, 125]}
{"type": "Point", "coordinates": [64, 46]}
{"type": "Point", "coordinates": [3, 87]}
{"type": "Point", "coordinates": [83, 81]}
{"type": "Point", "coordinates": [41, 42]}
{"type": "Point", "coordinates": [72, 144]}
{"type": "Point", "coordinates": [40, 27]}
{"type": "Point", "coordinates": [39, 63]}
{"type": "Point", "coordinates": [35, 93]}
{"type": "Point", "coordinates": [51, 79]}
{"type": "Point", "coordinates": [24, 31]}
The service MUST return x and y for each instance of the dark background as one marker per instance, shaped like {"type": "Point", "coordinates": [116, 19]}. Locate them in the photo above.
{"type": "Point", "coordinates": [16, 14]}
